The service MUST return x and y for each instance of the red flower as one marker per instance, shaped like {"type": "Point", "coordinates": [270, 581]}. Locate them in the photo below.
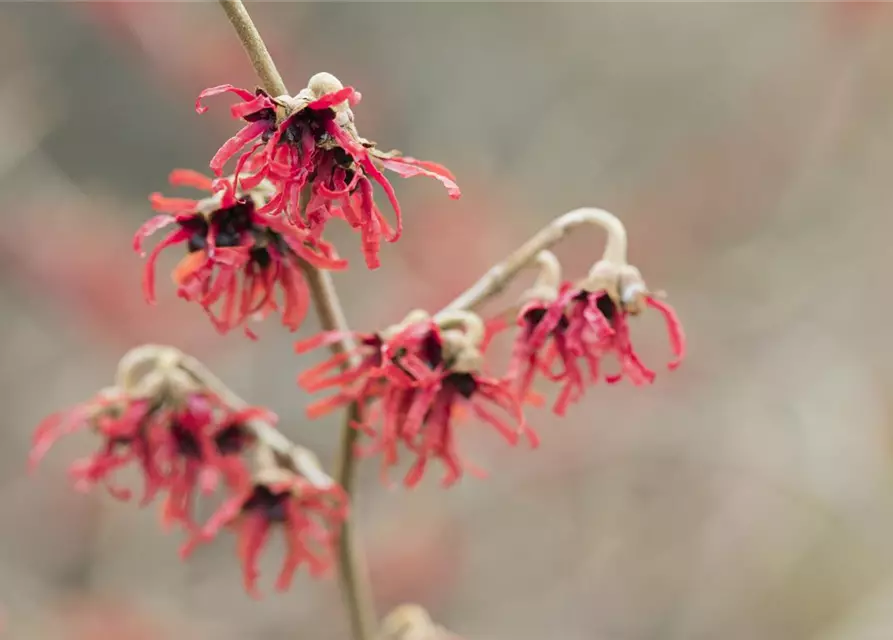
{"type": "Point", "coordinates": [121, 422]}
{"type": "Point", "coordinates": [227, 238]}
{"type": "Point", "coordinates": [377, 367]}
{"type": "Point", "coordinates": [316, 145]}
{"type": "Point", "coordinates": [258, 109]}
{"type": "Point", "coordinates": [584, 325]}
{"type": "Point", "coordinates": [411, 387]}
{"type": "Point", "coordinates": [200, 445]}
{"type": "Point", "coordinates": [310, 517]}
{"type": "Point", "coordinates": [179, 445]}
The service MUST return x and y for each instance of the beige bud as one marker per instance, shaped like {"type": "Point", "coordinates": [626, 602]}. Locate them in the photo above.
{"type": "Point", "coordinates": [322, 83]}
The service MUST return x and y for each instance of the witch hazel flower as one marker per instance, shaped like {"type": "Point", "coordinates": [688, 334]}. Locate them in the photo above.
{"type": "Point", "coordinates": [118, 419]}
{"type": "Point", "coordinates": [293, 496]}
{"type": "Point", "coordinates": [577, 325]}
{"type": "Point", "coordinates": [182, 438]}
{"type": "Point", "coordinates": [414, 384]}
{"type": "Point", "coordinates": [202, 446]}
{"type": "Point", "coordinates": [237, 261]}
{"type": "Point", "coordinates": [377, 366]}
{"type": "Point", "coordinates": [308, 147]}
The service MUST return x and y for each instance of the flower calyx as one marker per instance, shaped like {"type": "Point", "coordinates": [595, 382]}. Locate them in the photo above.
{"type": "Point", "coordinates": [622, 283]}
{"type": "Point", "coordinates": [282, 463]}
{"type": "Point", "coordinates": [318, 87]}
{"type": "Point", "coordinates": [153, 372]}
{"type": "Point", "coordinates": [462, 333]}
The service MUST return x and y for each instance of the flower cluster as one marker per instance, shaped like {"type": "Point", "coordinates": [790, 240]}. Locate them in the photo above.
{"type": "Point", "coordinates": [583, 323]}
{"type": "Point", "coordinates": [308, 148]}
{"type": "Point", "coordinates": [253, 247]}
{"type": "Point", "coordinates": [309, 515]}
{"type": "Point", "coordinates": [412, 385]}
{"type": "Point", "coordinates": [305, 160]}
{"type": "Point", "coordinates": [235, 257]}
{"type": "Point", "coordinates": [183, 438]}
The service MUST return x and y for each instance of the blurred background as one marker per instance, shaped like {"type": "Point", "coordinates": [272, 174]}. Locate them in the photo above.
{"type": "Point", "coordinates": [749, 149]}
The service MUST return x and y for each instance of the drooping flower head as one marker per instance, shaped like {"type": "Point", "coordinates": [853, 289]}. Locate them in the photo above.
{"type": "Point", "coordinates": [308, 148]}
{"type": "Point", "coordinates": [414, 384]}
{"type": "Point", "coordinates": [580, 324]}
{"type": "Point", "coordinates": [121, 422]}
{"type": "Point", "coordinates": [181, 437]}
{"type": "Point", "coordinates": [376, 365]}
{"type": "Point", "coordinates": [196, 453]}
{"type": "Point", "coordinates": [236, 258]}
{"type": "Point", "coordinates": [308, 509]}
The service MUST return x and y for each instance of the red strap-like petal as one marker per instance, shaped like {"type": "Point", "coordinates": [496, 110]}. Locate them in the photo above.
{"type": "Point", "coordinates": [232, 146]}
{"type": "Point", "coordinates": [216, 91]}
{"type": "Point", "coordinates": [297, 297]}
{"type": "Point", "coordinates": [254, 105]}
{"type": "Point", "coordinates": [410, 167]}
{"type": "Point", "coordinates": [329, 100]}
{"type": "Point", "coordinates": [674, 328]}
{"type": "Point", "coordinates": [253, 534]}
{"type": "Point", "coordinates": [164, 204]}
{"type": "Point", "coordinates": [175, 237]}
{"type": "Point", "coordinates": [189, 178]}
{"type": "Point", "coordinates": [361, 155]}
{"type": "Point", "coordinates": [149, 227]}
{"type": "Point", "coordinates": [323, 339]}
{"type": "Point", "coordinates": [188, 265]}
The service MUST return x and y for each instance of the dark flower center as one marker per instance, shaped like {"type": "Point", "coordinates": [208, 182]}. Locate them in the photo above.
{"type": "Point", "coordinates": [262, 114]}
{"type": "Point", "coordinates": [342, 158]}
{"type": "Point", "coordinates": [603, 303]}
{"type": "Point", "coordinates": [231, 224]}
{"type": "Point", "coordinates": [270, 505]}
{"type": "Point", "coordinates": [307, 119]}
{"type": "Point", "coordinates": [535, 315]}
{"type": "Point", "coordinates": [464, 383]}
{"type": "Point", "coordinates": [606, 306]}
{"type": "Point", "coordinates": [261, 257]}
{"type": "Point", "coordinates": [431, 352]}
{"type": "Point", "coordinates": [230, 440]}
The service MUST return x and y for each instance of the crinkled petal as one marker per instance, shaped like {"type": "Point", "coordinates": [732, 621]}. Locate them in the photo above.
{"type": "Point", "coordinates": [232, 146]}
{"type": "Point", "coordinates": [149, 227]}
{"type": "Point", "coordinates": [407, 167]}
{"type": "Point", "coordinates": [674, 328]}
{"type": "Point", "coordinates": [175, 237]}
{"type": "Point", "coordinates": [190, 178]}
{"type": "Point", "coordinates": [220, 89]}
{"type": "Point", "coordinates": [330, 100]}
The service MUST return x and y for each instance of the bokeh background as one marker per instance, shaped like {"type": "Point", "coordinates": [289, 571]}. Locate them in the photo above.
{"type": "Point", "coordinates": [749, 148]}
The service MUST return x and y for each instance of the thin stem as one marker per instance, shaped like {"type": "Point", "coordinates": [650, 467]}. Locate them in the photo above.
{"type": "Point", "coordinates": [352, 571]}
{"type": "Point", "coordinates": [550, 270]}
{"type": "Point", "coordinates": [254, 46]}
{"type": "Point", "coordinates": [496, 279]}
{"type": "Point", "coordinates": [269, 435]}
